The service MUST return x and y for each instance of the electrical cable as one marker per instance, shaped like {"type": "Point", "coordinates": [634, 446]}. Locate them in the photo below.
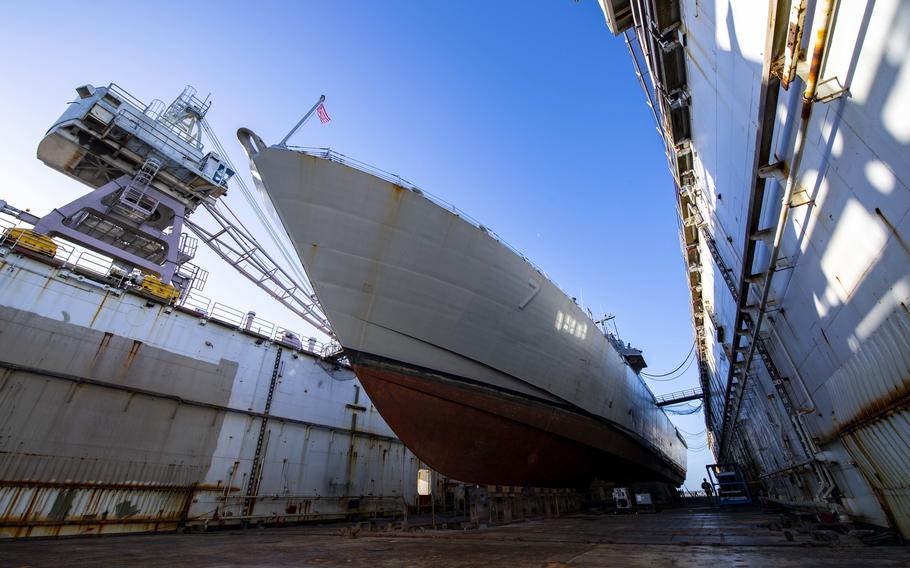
{"type": "Point", "coordinates": [673, 378]}
{"type": "Point", "coordinates": [686, 432]}
{"type": "Point", "coordinates": [691, 351]}
{"type": "Point", "coordinates": [655, 375]}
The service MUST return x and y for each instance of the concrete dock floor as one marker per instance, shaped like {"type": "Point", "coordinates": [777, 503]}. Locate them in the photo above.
{"type": "Point", "coordinates": [680, 538]}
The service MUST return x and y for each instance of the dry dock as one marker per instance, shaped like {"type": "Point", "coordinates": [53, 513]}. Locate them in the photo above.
{"type": "Point", "coordinates": [131, 403]}
{"type": "Point", "coordinates": [696, 535]}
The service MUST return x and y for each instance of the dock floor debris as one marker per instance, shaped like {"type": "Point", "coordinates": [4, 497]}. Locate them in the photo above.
{"type": "Point", "coordinates": [693, 536]}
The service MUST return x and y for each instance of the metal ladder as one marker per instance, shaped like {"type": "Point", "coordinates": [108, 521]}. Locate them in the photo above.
{"type": "Point", "coordinates": [134, 198]}
{"type": "Point", "coordinates": [760, 346]}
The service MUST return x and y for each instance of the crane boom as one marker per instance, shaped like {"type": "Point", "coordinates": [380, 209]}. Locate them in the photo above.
{"type": "Point", "coordinates": [232, 242]}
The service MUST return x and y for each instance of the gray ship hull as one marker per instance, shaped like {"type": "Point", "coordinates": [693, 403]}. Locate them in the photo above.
{"type": "Point", "coordinates": [407, 282]}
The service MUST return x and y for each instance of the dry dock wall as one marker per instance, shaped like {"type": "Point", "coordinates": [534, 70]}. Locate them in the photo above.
{"type": "Point", "coordinates": [118, 413]}
{"type": "Point", "coordinates": [839, 327]}
{"type": "Point", "coordinates": [821, 417]}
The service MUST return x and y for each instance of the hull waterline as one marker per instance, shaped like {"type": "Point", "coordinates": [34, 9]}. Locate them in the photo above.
{"type": "Point", "coordinates": [486, 370]}
{"type": "Point", "coordinates": [482, 435]}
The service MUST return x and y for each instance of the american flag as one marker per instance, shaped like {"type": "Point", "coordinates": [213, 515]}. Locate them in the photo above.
{"type": "Point", "coordinates": [323, 115]}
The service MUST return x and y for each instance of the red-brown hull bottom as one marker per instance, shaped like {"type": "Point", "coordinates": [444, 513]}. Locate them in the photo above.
{"type": "Point", "coordinates": [479, 435]}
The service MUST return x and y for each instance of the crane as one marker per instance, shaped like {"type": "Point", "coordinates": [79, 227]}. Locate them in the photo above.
{"type": "Point", "coordinates": [149, 171]}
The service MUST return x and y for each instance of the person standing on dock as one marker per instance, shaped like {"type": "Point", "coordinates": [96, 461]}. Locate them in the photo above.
{"type": "Point", "coordinates": [708, 488]}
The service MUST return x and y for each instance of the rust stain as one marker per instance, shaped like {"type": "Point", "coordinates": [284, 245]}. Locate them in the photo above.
{"type": "Point", "coordinates": [897, 401]}
{"type": "Point", "coordinates": [116, 486]}
{"type": "Point", "coordinates": [105, 341]}
{"type": "Point", "coordinates": [876, 487]}
{"type": "Point", "coordinates": [131, 356]}
{"type": "Point", "coordinates": [77, 157]}
{"type": "Point", "coordinates": [900, 240]}
{"type": "Point", "coordinates": [145, 523]}
{"type": "Point", "coordinates": [158, 313]}
{"type": "Point", "coordinates": [311, 253]}
{"type": "Point", "coordinates": [97, 311]}
{"type": "Point", "coordinates": [352, 452]}
{"type": "Point", "coordinates": [102, 346]}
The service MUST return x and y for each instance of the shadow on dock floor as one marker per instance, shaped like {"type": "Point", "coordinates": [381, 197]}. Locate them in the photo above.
{"type": "Point", "coordinates": [694, 536]}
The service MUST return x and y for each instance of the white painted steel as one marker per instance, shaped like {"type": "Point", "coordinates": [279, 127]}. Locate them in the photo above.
{"type": "Point", "coordinates": [121, 414]}
{"type": "Point", "coordinates": [401, 277]}
{"type": "Point", "coordinates": [839, 325]}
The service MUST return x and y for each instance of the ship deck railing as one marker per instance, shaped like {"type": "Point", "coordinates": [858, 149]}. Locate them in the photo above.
{"type": "Point", "coordinates": [332, 155]}
{"type": "Point", "coordinates": [97, 267]}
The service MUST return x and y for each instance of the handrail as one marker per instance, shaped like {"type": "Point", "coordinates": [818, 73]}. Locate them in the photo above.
{"type": "Point", "coordinates": [694, 392]}
{"type": "Point", "coordinates": [124, 94]}
{"type": "Point", "coordinates": [165, 135]}
{"type": "Point", "coordinates": [143, 107]}
{"type": "Point", "coordinates": [98, 266]}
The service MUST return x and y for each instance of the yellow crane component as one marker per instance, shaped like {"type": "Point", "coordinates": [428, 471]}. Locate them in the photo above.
{"type": "Point", "coordinates": [153, 286]}
{"type": "Point", "coordinates": [30, 240]}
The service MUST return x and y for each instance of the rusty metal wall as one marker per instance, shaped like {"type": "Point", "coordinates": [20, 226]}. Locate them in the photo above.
{"type": "Point", "coordinates": [77, 459]}
{"type": "Point", "coordinates": [120, 414]}
{"type": "Point", "coordinates": [882, 451]}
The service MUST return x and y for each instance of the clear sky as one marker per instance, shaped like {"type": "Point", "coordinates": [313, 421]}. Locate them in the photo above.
{"type": "Point", "coordinates": [526, 115]}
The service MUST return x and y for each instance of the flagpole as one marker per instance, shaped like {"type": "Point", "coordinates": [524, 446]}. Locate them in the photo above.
{"type": "Point", "coordinates": [302, 120]}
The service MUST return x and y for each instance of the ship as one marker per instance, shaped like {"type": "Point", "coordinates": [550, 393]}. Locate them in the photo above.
{"type": "Point", "coordinates": [482, 366]}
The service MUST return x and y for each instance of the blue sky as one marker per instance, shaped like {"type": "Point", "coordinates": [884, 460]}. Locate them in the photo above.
{"type": "Point", "coordinates": [526, 115]}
